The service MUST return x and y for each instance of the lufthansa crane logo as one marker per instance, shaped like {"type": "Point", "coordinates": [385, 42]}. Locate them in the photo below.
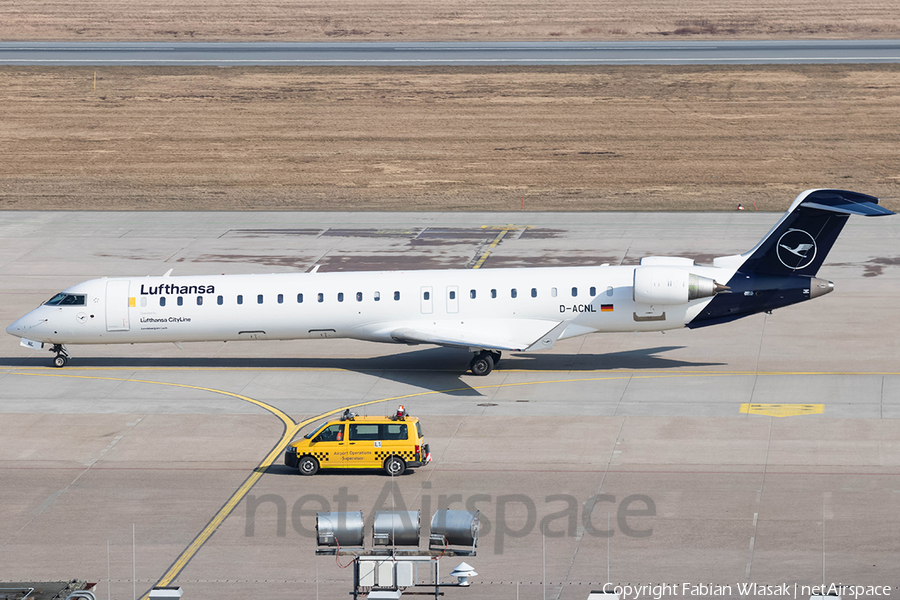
{"type": "Point", "coordinates": [796, 249]}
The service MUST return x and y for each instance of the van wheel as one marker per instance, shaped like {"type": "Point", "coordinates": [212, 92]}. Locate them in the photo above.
{"type": "Point", "coordinates": [394, 466]}
{"type": "Point", "coordinates": [308, 465]}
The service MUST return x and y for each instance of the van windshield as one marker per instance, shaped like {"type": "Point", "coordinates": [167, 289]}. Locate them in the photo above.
{"type": "Point", "coordinates": [312, 433]}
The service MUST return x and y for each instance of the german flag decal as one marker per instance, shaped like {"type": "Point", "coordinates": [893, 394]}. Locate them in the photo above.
{"type": "Point", "coordinates": [606, 308]}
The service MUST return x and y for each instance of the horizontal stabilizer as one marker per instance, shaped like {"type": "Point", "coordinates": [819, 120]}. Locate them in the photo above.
{"type": "Point", "coordinates": [865, 209]}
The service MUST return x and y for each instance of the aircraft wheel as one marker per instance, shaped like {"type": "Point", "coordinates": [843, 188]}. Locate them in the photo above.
{"type": "Point", "coordinates": [394, 466]}
{"type": "Point", "coordinates": [482, 364]}
{"type": "Point", "coordinates": [60, 361]}
{"type": "Point", "coordinates": [308, 465]}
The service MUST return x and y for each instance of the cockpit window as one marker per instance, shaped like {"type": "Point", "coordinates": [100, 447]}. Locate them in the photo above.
{"type": "Point", "coordinates": [62, 299]}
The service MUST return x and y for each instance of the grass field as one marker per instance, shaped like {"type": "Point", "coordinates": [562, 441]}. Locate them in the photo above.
{"type": "Point", "coordinates": [578, 138]}
{"type": "Point", "coordinates": [303, 20]}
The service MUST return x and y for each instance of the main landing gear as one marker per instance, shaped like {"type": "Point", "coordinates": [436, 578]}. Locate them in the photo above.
{"type": "Point", "coordinates": [62, 357]}
{"type": "Point", "coordinates": [483, 362]}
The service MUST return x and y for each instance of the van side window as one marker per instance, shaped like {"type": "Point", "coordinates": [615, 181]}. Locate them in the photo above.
{"type": "Point", "coordinates": [393, 431]}
{"type": "Point", "coordinates": [162, 300]}
{"type": "Point", "coordinates": [332, 433]}
{"type": "Point", "coordinates": [280, 298]}
{"type": "Point", "coordinates": [396, 295]}
{"type": "Point", "coordinates": [363, 431]}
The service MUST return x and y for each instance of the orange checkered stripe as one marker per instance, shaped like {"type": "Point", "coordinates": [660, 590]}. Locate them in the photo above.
{"type": "Point", "coordinates": [320, 456]}
{"type": "Point", "coordinates": [405, 455]}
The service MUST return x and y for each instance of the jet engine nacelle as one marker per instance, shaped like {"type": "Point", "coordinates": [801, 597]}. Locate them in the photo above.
{"type": "Point", "coordinates": [667, 285]}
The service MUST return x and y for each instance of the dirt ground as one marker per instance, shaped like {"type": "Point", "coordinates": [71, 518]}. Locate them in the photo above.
{"type": "Point", "coordinates": [302, 20]}
{"type": "Point", "coordinates": [573, 138]}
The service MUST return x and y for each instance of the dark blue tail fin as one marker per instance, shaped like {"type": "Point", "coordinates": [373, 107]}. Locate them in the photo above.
{"type": "Point", "coordinates": [801, 240]}
{"type": "Point", "coordinates": [781, 269]}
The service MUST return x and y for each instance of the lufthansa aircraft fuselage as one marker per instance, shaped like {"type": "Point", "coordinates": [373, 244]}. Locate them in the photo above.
{"type": "Point", "coordinates": [483, 311]}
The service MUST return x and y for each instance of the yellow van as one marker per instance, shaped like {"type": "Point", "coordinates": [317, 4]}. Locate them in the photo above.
{"type": "Point", "coordinates": [393, 443]}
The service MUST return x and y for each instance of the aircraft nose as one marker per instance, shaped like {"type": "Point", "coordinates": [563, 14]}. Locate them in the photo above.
{"type": "Point", "coordinates": [15, 329]}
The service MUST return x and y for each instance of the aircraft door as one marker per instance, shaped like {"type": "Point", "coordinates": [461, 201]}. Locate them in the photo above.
{"type": "Point", "coordinates": [427, 302]}
{"type": "Point", "coordinates": [117, 304]}
{"type": "Point", "coordinates": [452, 299]}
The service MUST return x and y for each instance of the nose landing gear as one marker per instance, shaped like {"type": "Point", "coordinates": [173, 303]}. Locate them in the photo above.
{"type": "Point", "coordinates": [483, 362]}
{"type": "Point", "coordinates": [62, 357]}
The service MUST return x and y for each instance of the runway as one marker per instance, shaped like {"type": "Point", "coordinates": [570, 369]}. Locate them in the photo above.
{"type": "Point", "coordinates": [451, 53]}
{"type": "Point", "coordinates": [185, 444]}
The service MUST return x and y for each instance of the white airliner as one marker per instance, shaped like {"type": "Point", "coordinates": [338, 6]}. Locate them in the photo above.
{"type": "Point", "coordinates": [483, 311]}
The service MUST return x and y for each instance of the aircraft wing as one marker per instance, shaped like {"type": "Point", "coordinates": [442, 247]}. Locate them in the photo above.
{"type": "Point", "coordinates": [509, 335]}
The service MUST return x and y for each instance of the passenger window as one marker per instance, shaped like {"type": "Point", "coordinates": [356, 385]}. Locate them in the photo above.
{"type": "Point", "coordinates": [162, 300]}
{"type": "Point", "coordinates": [513, 292]}
{"type": "Point", "coordinates": [332, 433]}
{"type": "Point", "coordinates": [593, 291]}
{"type": "Point", "coordinates": [180, 301]}
{"type": "Point", "coordinates": [143, 301]}
{"type": "Point", "coordinates": [359, 296]}
{"type": "Point", "coordinates": [240, 299]}
{"type": "Point", "coordinates": [553, 292]}
{"type": "Point", "coordinates": [299, 298]}
{"type": "Point", "coordinates": [609, 291]}
{"type": "Point", "coordinates": [574, 292]}
{"type": "Point", "coordinates": [376, 296]}
{"type": "Point", "coordinates": [472, 294]}
{"type": "Point", "coordinates": [534, 292]}
{"type": "Point", "coordinates": [321, 297]}
{"type": "Point", "coordinates": [220, 300]}
{"type": "Point", "coordinates": [393, 431]}
{"type": "Point", "coordinates": [453, 295]}
{"type": "Point", "coordinates": [363, 431]}
{"type": "Point", "coordinates": [259, 299]}
{"type": "Point", "coordinates": [493, 293]}
{"type": "Point", "coordinates": [280, 298]}
{"type": "Point", "coordinates": [340, 296]}
{"type": "Point", "coordinates": [419, 428]}
{"type": "Point", "coordinates": [426, 295]}
{"type": "Point", "coordinates": [199, 300]}
{"type": "Point", "coordinates": [396, 295]}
